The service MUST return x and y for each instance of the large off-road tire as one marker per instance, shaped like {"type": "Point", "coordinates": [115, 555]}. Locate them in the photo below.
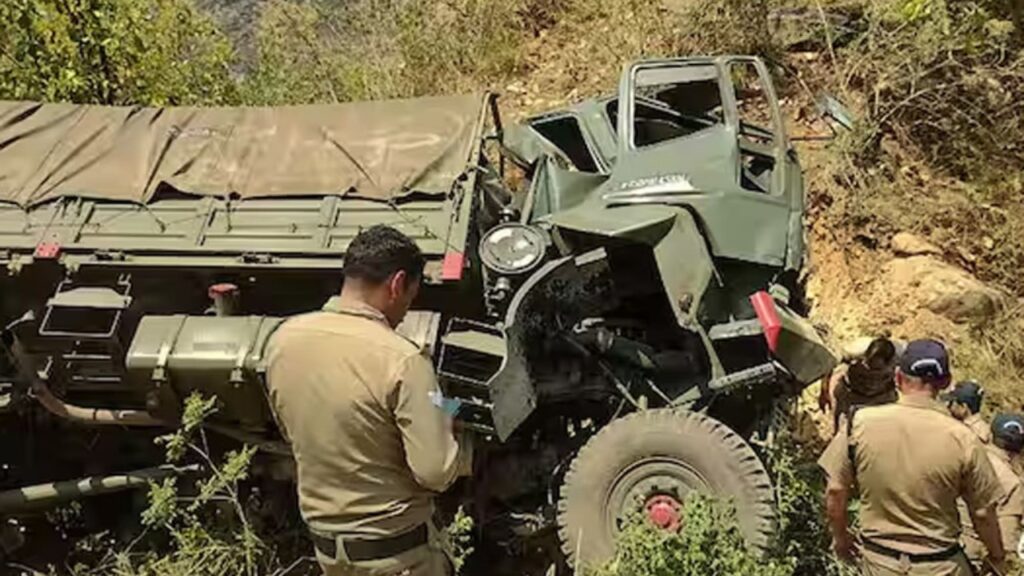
{"type": "Point", "coordinates": [647, 463]}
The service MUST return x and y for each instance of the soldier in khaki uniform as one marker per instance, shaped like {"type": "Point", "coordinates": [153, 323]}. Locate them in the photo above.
{"type": "Point", "coordinates": [964, 403]}
{"type": "Point", "coordinates": [1007, 443]}
{"type": "Point", "coordinates": [363, 412]}
{"type": "Point", "coordinates": [865, 378]}
{"type": "Point", "coordinates": [911, 461]}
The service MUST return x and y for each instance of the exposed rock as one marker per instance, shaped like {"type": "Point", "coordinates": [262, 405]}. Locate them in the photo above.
{"type": "Point", "coordinates": [907, 244]}
{"type": "Point", "coordinates": [929, 283]}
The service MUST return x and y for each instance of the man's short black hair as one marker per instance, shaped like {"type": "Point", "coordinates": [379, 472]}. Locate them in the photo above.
{"type": "Point", "coordinates": [378, 252]}
{"type": "Point", "coordinates": [881, 350]}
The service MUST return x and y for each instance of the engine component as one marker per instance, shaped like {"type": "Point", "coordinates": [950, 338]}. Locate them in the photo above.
{"type": "Point", "coordinates": [172, 356]}
{"type": "Point", "coordinates": [85, 312]}
{"type": "Point", "coordinates": [471, 354]}
{"type": "Point", "coordinates": [512, 249]}
{"type": "Point", "coordinates": [81, 333]}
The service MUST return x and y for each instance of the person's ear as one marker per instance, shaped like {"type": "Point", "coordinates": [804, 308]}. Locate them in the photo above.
{"type": "Point", "coordinates": [397, 284]}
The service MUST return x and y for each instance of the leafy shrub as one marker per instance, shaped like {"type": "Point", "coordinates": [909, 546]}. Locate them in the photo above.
{"type": "Point", "coordinates": [150, 52]}
{"type": "Point", "coordinates": [709, 543]}
{"type": "Point", "coordinates": [942, 78]}
{"type": "Point", "coordinates": [206, 522]}
{"type": "Point", "coordinates": [803, 539]}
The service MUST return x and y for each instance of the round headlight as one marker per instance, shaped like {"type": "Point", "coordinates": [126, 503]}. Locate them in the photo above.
{"type": "Point", "coordinates": [512, 248]}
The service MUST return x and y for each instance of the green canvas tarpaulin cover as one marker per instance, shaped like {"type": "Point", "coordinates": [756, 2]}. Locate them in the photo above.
{"type": "Point", "coordinates": [377, 150]}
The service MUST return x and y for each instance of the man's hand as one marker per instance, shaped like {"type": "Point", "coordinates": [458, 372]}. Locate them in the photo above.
{"type": "Point", "coordinates": [999, 566]}
{"type": "Point", "coordinates": [825, 396]}
{"type": "Point", "coordinates": [986, 524]}
{"type": "Point", "coordinates": [837, 496]}
{"type": "Point", "coordinates": [844, 547]}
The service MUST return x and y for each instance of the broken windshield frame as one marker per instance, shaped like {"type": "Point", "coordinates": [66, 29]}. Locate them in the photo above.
{"type": "Point", "coordinates": [666, 101]}
{"type": "Point", "coordinates": [670, 100]}
{"type": "Point", "coordinates": [702, 97]}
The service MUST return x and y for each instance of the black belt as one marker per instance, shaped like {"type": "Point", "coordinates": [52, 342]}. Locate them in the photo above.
{"type": "Point", "coordinates": [914, 558]}
{"type": "Point", "coordinates": [361, 550]}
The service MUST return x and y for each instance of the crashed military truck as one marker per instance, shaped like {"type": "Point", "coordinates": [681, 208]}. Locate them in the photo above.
{"type": "Point", "coordinates": [609, 295]}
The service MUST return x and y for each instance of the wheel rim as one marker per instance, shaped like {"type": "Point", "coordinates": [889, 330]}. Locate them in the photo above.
{"type": "Point", "coordinates": [664, 512]}
{"type": "Point", "coordinates": [655, 489]}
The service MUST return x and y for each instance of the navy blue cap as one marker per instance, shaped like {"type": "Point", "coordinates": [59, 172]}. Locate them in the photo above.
{"type": "Point", "coordinates": [926, 359]}
{"type": "Point", "coordinates": [1008, 430]}
{"type": "Point", "coordinates": [969, 393]}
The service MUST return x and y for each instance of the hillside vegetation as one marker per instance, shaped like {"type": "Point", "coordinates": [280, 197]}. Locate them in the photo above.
{"type": "Point", "coordinates": [934, 87]}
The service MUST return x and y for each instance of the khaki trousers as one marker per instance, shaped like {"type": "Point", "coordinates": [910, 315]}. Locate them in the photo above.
{"type": "Point", "coordinates": [427, 560]}
{"type": "Point", "coordinates": [873, 564]}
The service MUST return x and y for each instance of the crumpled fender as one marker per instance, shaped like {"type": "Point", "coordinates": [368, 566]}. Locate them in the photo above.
{"type": "Point", "coordinates": [793, 340]}
{"type": "Point", "coordinates": [513, 395]}
{"type": "Point", "coordinates": [680, 250]}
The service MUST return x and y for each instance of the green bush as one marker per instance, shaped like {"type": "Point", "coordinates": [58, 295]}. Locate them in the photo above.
{"type": "Point", "coordinates": [149, 52]}
{"type": "Point", "coordinates": [942, 78]}
{"type": "Point", "coordinates": [205, 521]}
{"type": "Point", "coordinates": [709, 543]}
{"type": "Point", "coordinates": [803, 539]}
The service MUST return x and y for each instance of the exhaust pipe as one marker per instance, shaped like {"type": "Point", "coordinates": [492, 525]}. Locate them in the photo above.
{"type": "Point", "coordinates": [54, 405]}
{"type": "Point", "coordinates": [95, 416]}
{"type": "Point", "coordinates": [47, 495]}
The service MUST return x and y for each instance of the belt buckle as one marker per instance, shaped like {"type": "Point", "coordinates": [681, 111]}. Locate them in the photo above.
{"type": "Point", "coordinates": [905, 563]}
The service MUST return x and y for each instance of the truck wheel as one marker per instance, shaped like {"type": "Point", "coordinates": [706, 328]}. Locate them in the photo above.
{"type": "Point", "coordinates": [647, 463]}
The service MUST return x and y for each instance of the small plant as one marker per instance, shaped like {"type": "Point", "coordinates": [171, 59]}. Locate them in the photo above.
{"type": "Point", "coordinates": [460, 538]}
{"type": "Point", "coordinates": [710, 543]}
{"type": "Point", "coordinates": [205, 521]}
{"type": "Point", "coordinates": [803, 539]}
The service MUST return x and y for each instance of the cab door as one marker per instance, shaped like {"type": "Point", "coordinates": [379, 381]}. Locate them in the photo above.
{"type": "Point", "coordinates": [689, 134]}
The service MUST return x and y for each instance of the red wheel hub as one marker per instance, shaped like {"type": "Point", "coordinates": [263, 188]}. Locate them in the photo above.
{"type": "Point", "coordinates": [663, 512]}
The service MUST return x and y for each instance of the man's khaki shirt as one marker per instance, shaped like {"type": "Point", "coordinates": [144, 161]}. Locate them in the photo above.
{"type": "Point", "coordinates": [913, 460]}
{"type": "Point", "coordinates": [1009, 510]}
{"type": "Point", "coordinates": [980, 428]}
{"type": "Point", "coordinates": [360, 405]}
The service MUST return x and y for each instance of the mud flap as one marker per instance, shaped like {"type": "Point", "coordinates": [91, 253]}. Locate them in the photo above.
{"type": "Point", "coordinates": [793, 340]}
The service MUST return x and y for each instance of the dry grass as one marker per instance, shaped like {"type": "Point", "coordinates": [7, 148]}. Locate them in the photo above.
{"type": "Point", "coordinates": [994, 355]}
{"type": "Point", "coordinates": [937, 86]}
{"type": "Point", "coordinates": [583, 51]}
{"type": "Point", "coordinates": [326, 50]}
{"type": "Point", "coordinates": [938, 151]}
